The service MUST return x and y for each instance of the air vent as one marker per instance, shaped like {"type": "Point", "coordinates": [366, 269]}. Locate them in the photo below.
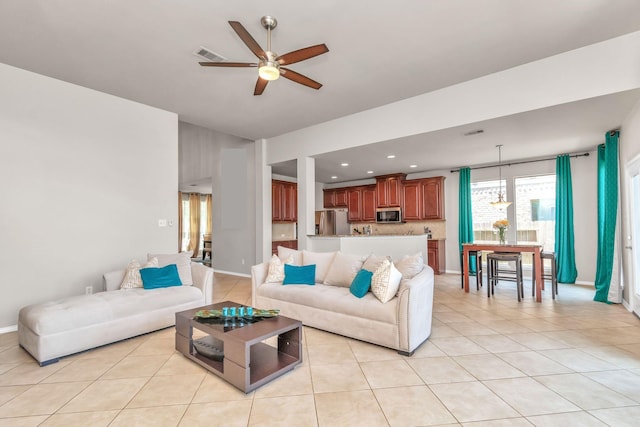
{"type": "Point", "coordinates": [473, 132]}
{"type": "Point", "coordinates": [209, 55]}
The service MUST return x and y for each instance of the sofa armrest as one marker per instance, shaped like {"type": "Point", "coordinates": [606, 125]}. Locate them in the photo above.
{"type": "Point", "coordinates": [258, 277]}
{"type": "Point", "coordinates": [112, 280]}
{"type": "Point", "coordinates": [203, 279]}
{"type": "Point", "coordinates": [415, 309]}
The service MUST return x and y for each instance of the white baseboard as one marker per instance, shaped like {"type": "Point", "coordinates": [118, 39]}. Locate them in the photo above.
{"type": "Point", "coordinates": [232, 273]}
{"type": "Point", "coordinates": [6, 329]}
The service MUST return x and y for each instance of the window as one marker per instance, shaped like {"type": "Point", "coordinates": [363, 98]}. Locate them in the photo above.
{"type": "Point", "coordinates": [186, 226]}
{"type": "Point", "coordinates": [484, 215]}
{"type": "Point", "coordinates": [532, 215]}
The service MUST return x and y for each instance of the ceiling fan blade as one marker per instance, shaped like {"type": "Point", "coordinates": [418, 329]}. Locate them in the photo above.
{"type": "Point", "coordinates": [251, 43]}
{"type": "Point", "coordinates": [227, 64]}
{"type": "Point", "coordinates": [261, 84]}
{"type": "Point", "coordinates": [302, 54]}
{"type": "Point", "coordinates": [299, 78]}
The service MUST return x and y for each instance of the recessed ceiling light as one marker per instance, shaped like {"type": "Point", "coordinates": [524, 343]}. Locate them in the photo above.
{"type": "Point", "coordinates": [334, 177]}
{"type": "Point", "coordinates": [391, 156]}
{"type": "Point", "coordinates": [344, 164]}
{"type": "Point", "coordinates": [413, 166]}
{"type": "Point", "coordinates": [369, 171]}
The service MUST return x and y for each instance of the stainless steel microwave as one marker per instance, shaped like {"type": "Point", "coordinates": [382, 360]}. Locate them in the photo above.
{"type": "Point", "coordinates": [389, 215]}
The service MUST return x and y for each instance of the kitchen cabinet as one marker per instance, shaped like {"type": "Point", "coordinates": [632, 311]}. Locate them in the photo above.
{"type": "Point", "coordinates": [423, 199]}
{"type": "Point", "coordinates": [369, 203]}
{"type": "Point", "coordinates": [284, 201]}
{"type": "Point", "coordinates": [389, 190]}
{"type": "Point", "coordinates": [335, 198]}
{"type": "Point", "coordinates": [433, 198]}
{"type": "Point", "coordinates": [354, 204]}
{"type": "Point", "coordinates": [436, 255]}
{"type": "Point", "coordinates": [412, 192]}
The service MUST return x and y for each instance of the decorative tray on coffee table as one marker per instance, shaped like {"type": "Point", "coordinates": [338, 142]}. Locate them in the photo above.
{"type": "Point", "coordinates": [217, 314]}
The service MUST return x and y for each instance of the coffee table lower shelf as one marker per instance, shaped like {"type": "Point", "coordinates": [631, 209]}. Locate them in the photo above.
{"type": "Point", "coordinates": [248, 362]}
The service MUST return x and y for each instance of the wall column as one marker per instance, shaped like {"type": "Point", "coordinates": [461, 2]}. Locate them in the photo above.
{"type": "Point", "coordinates": [263, 202]}
{"type": "Point", "coordinates": [306, 200]}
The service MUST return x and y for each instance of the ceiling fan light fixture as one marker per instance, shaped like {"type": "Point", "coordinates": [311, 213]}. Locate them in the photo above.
{"type": "Point", "coordinates": [269, 70]}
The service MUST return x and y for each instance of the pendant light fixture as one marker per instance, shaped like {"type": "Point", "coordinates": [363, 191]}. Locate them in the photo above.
{"type": "Point", "coordinates": [500, 203]}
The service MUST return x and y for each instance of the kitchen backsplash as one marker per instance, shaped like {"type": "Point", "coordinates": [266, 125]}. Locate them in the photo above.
{"type": "Point", "coordinates": [283, 231]}
{"type": "Point", "coordinates": [438, 228]}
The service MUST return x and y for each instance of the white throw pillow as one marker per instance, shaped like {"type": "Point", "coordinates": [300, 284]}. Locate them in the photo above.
{"type": "Point", "coordinates": [343, 269]}
{"type": "Point", "coordinates": [181, 260]}
{"type": "Point", "coordinates": [285, 253]}
{"type": "Point", "coordinates": [373, 262]}
{"type": "Point", "coordinates": [132, 278]}
{"type": "Point", "coordinates": [385, 281]}
{"type": "Point", "coordinates": [322, 260]}
{"type": "Point", "coordinates": [276, 269]}
{"type": "Point", "coordinates": [410, 265]}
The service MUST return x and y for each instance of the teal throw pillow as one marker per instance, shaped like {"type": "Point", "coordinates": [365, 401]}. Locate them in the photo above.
{"type": "Point", "coordinates": [361, 283]}
{"type": "Point", "coordinates": [163, 277]}
{"type": "Point", "coordinates": [299, 275]}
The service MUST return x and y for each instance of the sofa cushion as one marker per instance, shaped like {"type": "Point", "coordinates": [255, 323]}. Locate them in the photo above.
{"type": "Point", "coordinates": [132, 278]}
{"type": "Point", "coordinates": [386, 281]}
{"type": "Point", "coordinates": [343, 269]}
{"type": "Point", "coordinates": [361, 283]}
{"type": "Point", "coordinates": [285, 253]}
{"type": "Point", "coordinates": [299, 275]}
{"type": "Point", "coordinates": [86, 310]}
{"type": "Point", "coordinates": [182, 260]}
{"type": "Point", "coordinates": [275, 273]}
{"type": "Point", "coordinates": [160, 277]}
{"type": "Point", "coordinates": [373, 262]}
{"type": "Point", "coordinates": [410, 265]}
{"type": "Point", "coordinates": [322, 260]}
{"type": "Point", "coordinates": [333, 298]}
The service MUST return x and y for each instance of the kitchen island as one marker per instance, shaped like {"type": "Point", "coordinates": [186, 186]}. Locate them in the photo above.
{"type": "Point", "coordinates": [395, 246]}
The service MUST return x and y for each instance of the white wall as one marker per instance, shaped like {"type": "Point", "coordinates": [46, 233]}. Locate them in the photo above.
{"type": "Point", "coordinates": [85, 177]}
{"type": "Point", "coordinates": [230, 162]}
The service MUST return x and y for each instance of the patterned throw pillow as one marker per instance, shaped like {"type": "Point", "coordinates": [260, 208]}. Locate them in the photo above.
{"type": "Point", "coordinates": [385, 281]}
{"type": "Point", "coordinates": [132, 278]}
{"type": "Point", "coordinates": [276, 269]}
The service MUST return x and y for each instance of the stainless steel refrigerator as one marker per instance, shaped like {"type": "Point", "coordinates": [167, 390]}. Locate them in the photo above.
{"type": "Point", "coordinates": [332, 222]}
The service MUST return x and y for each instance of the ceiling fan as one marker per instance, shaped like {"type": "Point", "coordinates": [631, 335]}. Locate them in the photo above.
{"type": "Point", "coordinates": [270, 64]}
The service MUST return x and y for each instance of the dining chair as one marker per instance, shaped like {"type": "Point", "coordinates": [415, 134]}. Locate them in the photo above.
{"type": "Point", "coordinates": [495, 273]}
{"type": "Point", "coordinates": [551, 274]}
{"type": "Point", "coordinates": [478, 257]}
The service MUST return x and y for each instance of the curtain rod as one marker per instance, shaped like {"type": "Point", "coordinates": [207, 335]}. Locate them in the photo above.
{"type": "Point", "coordinates": [520, 163]}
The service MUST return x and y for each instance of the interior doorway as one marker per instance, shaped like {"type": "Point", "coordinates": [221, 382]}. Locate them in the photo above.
{"type": "Point", "coordinates": [632, 242]}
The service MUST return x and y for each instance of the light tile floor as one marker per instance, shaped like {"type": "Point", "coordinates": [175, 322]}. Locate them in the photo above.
{"type": "Point", "coordinates": [497, 362]}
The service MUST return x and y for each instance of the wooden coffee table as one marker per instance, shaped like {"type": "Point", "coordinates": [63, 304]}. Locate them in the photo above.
{"type": "Point", "coordinates": [245, 360]}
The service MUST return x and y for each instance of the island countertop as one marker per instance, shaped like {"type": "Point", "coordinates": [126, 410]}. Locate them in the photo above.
{"type": "Point", "coordinates": [396, 245]}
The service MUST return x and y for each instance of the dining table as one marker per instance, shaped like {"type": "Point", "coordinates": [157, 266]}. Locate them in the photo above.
{"type": "Point", "coordinates": [497, 247]}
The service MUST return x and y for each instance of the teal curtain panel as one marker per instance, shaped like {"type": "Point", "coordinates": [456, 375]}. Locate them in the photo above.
{"type": "Point", "coordinates": [564, 245]}
{"type": "Point", "coordinates": [465, 215]}
{"type": "Point", "coordinates": [607, 212]}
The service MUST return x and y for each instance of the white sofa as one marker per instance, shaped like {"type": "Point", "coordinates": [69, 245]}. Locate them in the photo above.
{"type": "Point", "coordinates": [70, 325]}
{"type": "Point", "coordinates": [402, 324]}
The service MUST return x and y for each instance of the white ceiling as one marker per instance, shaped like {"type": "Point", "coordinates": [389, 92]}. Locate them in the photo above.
{"type": "Point", "coordinates": [380, 52]}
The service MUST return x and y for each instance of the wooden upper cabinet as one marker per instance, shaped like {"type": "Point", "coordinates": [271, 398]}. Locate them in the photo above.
{"type": "Point", "coordinates": [284, 201]}
{"type": "Point", "coordinates": [369, 203]}
{"type": "Point", "coordinates": [354, 204]}
{"type": "Point", "coordinates": [389, 190]}
{"type": "Point", "coordinates": [341, 198]}
{"type": "Point", "coordinates": [329, 198]}
{"type": "Point", "coordinates": [412, 209]}
{"type": "Point", "coordinates": [276, 201]}
{"type": "Point", "coordinates": [433, 198]}
{"type": "Point", "coordinates": [290, 202]}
